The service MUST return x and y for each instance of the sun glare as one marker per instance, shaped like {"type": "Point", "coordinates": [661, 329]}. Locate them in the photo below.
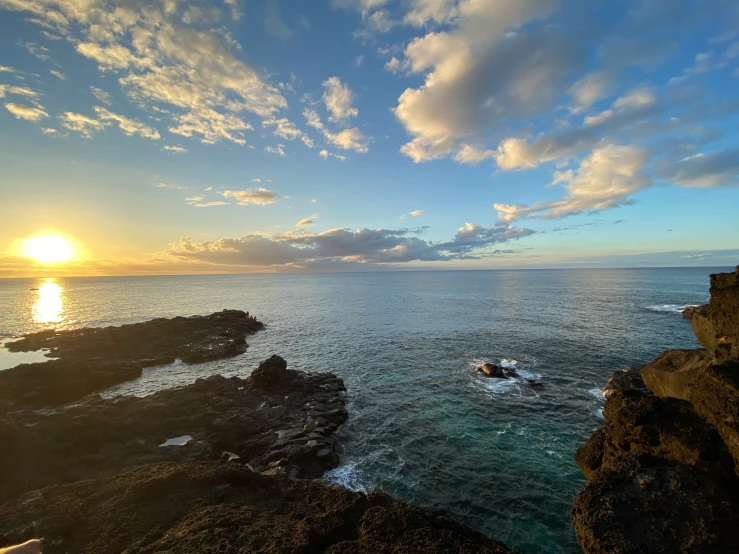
{"type": "Point", "coordinates": [49, 249]}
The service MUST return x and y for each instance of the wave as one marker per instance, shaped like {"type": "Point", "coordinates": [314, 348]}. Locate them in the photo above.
{"type": "Point", "coordinates": [671, 308]}
{"type": "Point", "coordinates": [512, 385]}
{"type": "Point", "coordinates": [347, 476]}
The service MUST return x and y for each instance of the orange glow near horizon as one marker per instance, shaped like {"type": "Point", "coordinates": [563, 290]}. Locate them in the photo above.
{"type": "Point", "coordinates": [49, 249]}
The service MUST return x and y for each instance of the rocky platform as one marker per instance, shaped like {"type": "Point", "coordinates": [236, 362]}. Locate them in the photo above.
{"type": "Point", "coordinates": [225, 508]}
{"type": "Point", "coordinates": [277, 420]}
{"type": "Point", "coordinates": [663, 469]}
{"type": "Point", "coordinates": [92, 359]}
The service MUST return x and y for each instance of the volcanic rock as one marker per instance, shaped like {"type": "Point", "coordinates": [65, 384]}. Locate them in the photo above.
{"type": "Point", "coordinates": [657, 506]}
{"type": "Point", "coordinates": [673, 372]}
{"type": "Point", "coordinates": [717, 327]}
{"type": "Point", "coordinates": [60, 381]}
{"type": "Point", "coordinates": [627, 379]}
{"type": "Point", "coordinates": [691, 311]}
{"type": "Point", "coordinates": [496, 371]}
{"type": "Point", "coordinates": [192, 339]}
{"type": "Point", "coordinates": [290, 422]}
{"type": "Point", "coordinates": [224, 508]}
{"type": "Point", "coordinates": [93, 359]}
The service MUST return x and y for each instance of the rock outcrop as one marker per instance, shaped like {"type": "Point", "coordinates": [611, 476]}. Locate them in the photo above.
{"type": "Point", "coordinates": [496, 371]}
{"type": "Point", "coordinates": [691, 311]}
{"type": "Point", "coordinates": [93, 359]}
{"type": "Point", "coordinates": [280, 422]}
{"type": "Point", "coordinates": [663, 469]}
{"type": "Point", "coordinates": [224, 508]}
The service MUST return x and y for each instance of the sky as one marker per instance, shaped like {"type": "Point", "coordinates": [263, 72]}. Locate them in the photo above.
{"type": "Point", "coordinates": [167, 136]}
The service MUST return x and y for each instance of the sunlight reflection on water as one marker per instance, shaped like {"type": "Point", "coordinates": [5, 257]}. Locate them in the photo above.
{"type": "Point", "coordinates": [49, 306]}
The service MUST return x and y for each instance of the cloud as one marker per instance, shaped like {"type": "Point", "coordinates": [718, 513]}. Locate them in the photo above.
{"type": "Point", "coordinates": [605, 179]}
{"type": "Point", "coordinates": [171, 186]}
{"type": "Point", "coordinates": [338, 98]}
{"type": "Point", "coordinates": [307, 221]}
{"type": "Point", "coordinates": [279, 149]}
{"type": "Point", "coordinates": [416, 213]}
{"type": "Point", "coordinates": [631, 108]}
{"type": "Point", "coordinates": [469, 154]}
{"type": "Point", "coordinates": [348, 139]}
{"type": "Point", "coordinates": [362, 6]}
{"type": "Point", "coordinates": [168, 57]}
{"type": "Point", "coordinates": [719, 168]}
{"type": "Point", "coordinates": [423, 12]}
{"type": "Point", "coordinates": [101, 95]}
{"type": "Point", "coordinates": [324, 154]}
{"type": "Point", "coordinates": [480, 73]}
{"type": "Point", "coordinates": [49, 131]}
{"type": "Point", "coordinates": [286, 129]}
{"type": "Point", "coordinates": [176, 149]}
{"type": "Point", "coordinates": [273, 21]}
{"type": "Point", "coordinates": [200, 202]}
{"type": "Point", "coordinates": [18, 91]}
{"type": "Point", "coordinates": [591, 88]}
{"type": "Point", "coordinates": [344, 246]}
{"type": "Point", "coordinates": [128, 126]}
{"type": "Point", "coordinates": [259, 196]}
{"type": "Point", "coordinates": [80, 123]}
{"type": "Point", "coordinates": [58, 74]}
{"type": "Point", "coordinates": [20, 111]}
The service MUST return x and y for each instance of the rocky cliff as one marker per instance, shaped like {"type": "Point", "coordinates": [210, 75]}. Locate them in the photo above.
{"type": "Point", "coordinates": [662, 471]}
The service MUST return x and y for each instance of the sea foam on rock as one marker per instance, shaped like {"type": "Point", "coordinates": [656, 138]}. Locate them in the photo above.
{"type": "Point", "coordinates": [663, 469]}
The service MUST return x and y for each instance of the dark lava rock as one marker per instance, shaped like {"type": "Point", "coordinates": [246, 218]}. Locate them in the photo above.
{"type": "Point", "coordinates": [657, 506]}
{"type": "Point", "coordinates": [223, 508]}
{"type": "Point", "coordinates": [644, 425]}
{"type": "Point", "coordinates": [93, 359]}
{"type": "Point", "coordinates": [496, 371]}
{"type": "Point", "coordinates": [691, 311]}
{"type": "Point", "coordinates": [717, 327]}
{"type": "Point", "coordinates": [192, 339]}
{"type": "Point", "coordinates": [715, 396]}
{"type": "Point", "coordinates": [60, 381]}
{"type": "Point", "coordinates": [626, 379]}
{"type": "Point", "coordinates": [285, 428]}
{"type": "Point", "coordinates": [673, 372]}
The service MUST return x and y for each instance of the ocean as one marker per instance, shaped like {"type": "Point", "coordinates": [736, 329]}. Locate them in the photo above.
{"type": "Point", "coordinates": [423, 425]}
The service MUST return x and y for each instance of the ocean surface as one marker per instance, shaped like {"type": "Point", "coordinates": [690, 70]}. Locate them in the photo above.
{"type": "Point", "coordinates": [423, 425]}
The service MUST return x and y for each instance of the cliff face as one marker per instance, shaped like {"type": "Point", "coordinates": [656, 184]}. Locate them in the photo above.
{"type": "Point", "coordinates": [663, 469]}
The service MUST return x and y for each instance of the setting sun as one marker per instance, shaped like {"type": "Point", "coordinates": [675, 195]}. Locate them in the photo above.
{"type": "Point", "coordinates": [49, 249]}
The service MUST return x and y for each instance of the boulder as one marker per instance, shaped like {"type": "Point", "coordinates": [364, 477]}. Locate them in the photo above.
{"type": "Point", "coordinates": [657, 506]}
{"type": "Point", "coordinates": [60, 381]}
{"type": "Point", "coordinates": [717, 327]}
{"type": "Point", "coordinates": [97, 437]}
{"type": "Point", "coordinates": [626, 379]}
{"type": "Point", "coordinates": [224, 508]}
{"type": "Point", "coordinates": [673, 372]}
{"type": "Point", "coordinates": [496, 371]}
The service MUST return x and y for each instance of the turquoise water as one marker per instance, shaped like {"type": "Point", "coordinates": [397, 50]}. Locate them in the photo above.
{"type": "Point", "coordinates": [423, 425]}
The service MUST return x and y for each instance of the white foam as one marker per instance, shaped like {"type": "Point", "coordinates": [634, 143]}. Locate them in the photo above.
{"type": "Point", "coordinates": [509, 385]}
{"type": "Point", "coordinates": [598, 393]}
{"type": "Point", "coordinates": [347, 476]}
{"type": "Point", "coordinates": [177, 441]}
{"type": "Point", "coordinates": [671, 308]}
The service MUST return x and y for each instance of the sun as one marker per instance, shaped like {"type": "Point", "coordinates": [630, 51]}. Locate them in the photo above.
{"type": "Point", "coordinates": [49, 249]}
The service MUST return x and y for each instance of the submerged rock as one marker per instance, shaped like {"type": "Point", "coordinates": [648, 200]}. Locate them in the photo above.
{"type": "Point", "coordinates": [93, 359]}
{"type": "Point", "coordinates": [209, 508]}
{"type": "Point", "coordinates": [288, 424]}
{"type": "Point", "coordinates": [497, 371]}
{"type": "Point", "coordinates": [673, 372]}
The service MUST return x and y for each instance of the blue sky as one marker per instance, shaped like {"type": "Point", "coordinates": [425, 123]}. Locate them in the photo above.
{"type": "Point", "coordinates": [170, 136]}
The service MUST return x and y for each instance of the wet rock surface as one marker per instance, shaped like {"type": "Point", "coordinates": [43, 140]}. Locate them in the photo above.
{"type": "Point", "coordinates": [496, 371]}
{"type": "Point", "coordinates": [281, 422]}
{"type": "Point", "coordinates": [663, 469]}
{"type": "Point", "coordinates": [93, 359]}
{"type": "Point", "coordinates": [227, 509]}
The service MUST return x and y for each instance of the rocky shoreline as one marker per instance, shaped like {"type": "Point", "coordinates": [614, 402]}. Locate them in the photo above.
{"type": "Point", "coordinates": [223, 465]}
{"type": "Point", "coordinates": [662, 471]}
